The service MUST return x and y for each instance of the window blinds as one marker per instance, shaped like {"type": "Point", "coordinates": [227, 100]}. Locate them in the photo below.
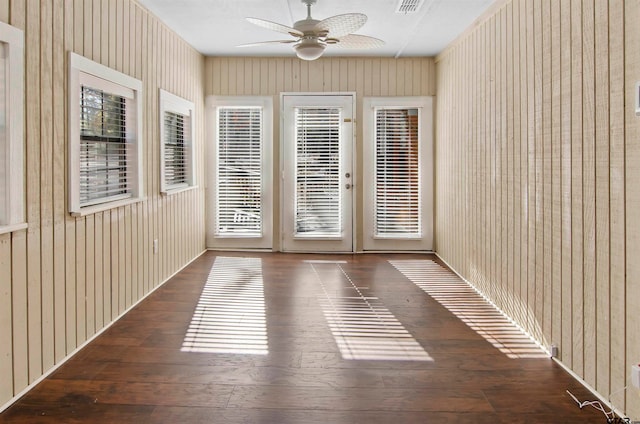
{"type": "Point", "coordinates": [105, 154]}
{"type": "Point", "coordinates": [318, 203]}
{"type": "Point", "coordinates": [239, 172]}
{"type": "Point", "coordinates": [177, 139]}
{"type": "Point", "coordinates": [397, 175]}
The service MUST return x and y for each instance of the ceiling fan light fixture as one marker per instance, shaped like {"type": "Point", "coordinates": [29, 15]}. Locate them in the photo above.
{"type": "Point", "coordinates": [309, 48]}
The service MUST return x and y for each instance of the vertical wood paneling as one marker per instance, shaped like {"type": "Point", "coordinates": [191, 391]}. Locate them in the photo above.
{"type": "Point", "coordinates": [62, 12]}
{"type": "Point", "coordinates": [631, 171]}
{"type": "Point", "coordinates": [577, 349]}
{"type": "Point", "coordinates": [32, 123]}
{"type": "Point", "coordinates": [70, 277]}
{"type": "Point", "coordinates": [602, 218]}
{"type": "Point", "coordinates": [565, 342]}
{"type": "Point", "coordinates": [6, 330]}
{"type": "Point", "coordinates": [619, 369]}
{"type": "Point", "coordinates": [553, 160]}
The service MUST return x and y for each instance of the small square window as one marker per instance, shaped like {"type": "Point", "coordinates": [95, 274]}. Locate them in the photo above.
{"type": "Point", "coordinates": [11, 129]}
{"type": "Point", "coordinates": [105, 148]}
{"type": "Point", "coordinates": [176, 148]}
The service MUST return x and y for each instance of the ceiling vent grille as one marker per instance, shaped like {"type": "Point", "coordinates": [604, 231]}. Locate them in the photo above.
{"type": "Point", "coordinates": [409, 6]}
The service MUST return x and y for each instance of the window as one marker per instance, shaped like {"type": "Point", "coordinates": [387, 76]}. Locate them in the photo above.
{"type": "Point", "coordinates": [240, 188]}
{"type": "Point", "coordinates": [11, 129]}
{"type": "Point", "coordinates": [398, 173]}
{"type": "Point", "coordinates": [176, 149]}
{"type": "Point", "coordinates": [105, 130]}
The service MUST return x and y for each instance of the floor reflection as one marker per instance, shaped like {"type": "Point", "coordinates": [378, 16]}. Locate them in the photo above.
{"type": "Point", "coordinates": [469, 306]}
{"type": "Point", "coordinates": [230, 315]}
{"type": "Point", "coordinates": [361, 325]}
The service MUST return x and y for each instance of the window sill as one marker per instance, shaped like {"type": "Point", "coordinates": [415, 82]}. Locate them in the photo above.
{"type": "Point", "coordinates": [13, 227]}
{"type": "Point", "coordinates": [90, 210]}
{"type": "Point", "coordinates": [177, 190]}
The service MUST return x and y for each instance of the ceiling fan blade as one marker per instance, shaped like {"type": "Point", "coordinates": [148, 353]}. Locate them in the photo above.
{"type": "Point", "coordinates": [339, 25]}
{"type": "Point", "coordinates": [275, 27]}
{"type": "Point", "coordinates": [260, 43]}
{"type": "Point", "coordinates": [355, 41]}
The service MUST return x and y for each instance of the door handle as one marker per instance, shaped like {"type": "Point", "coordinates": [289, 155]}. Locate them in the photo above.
{"type": "Point", "coordinates": [347, 186]}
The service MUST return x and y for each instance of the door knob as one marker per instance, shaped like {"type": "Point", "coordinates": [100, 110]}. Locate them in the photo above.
{"type": "Point", "coordinates": [347, 186]}
{"type": "Point", "coordinates": [347, 175]}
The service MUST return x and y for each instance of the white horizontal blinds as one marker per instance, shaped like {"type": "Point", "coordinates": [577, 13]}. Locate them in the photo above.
{"type": "Point", "coordinates": [318, 201]}
{"type": "Point", "coordinates": [177, 139]}
{"type": "Point", "coordinates": [239, 172]}
{"type": "Point", "coordinates": [397, 173]}
{"type": "Point", "coordinates": [4, 139]}
{"type": "Point", "coordinates": [105, 154]}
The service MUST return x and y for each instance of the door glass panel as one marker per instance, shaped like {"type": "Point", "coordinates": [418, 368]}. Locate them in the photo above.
{"type": "Point", "coordinates": [318, 200]}
{"type": "Point", "coordinates": [239, 172]}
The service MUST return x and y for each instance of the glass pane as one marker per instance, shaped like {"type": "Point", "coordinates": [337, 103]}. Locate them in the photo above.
{"type": "Point", "coordinates": [104, 150]}
{"type": "Point", "coordinates": [397, 195]}
{"type": "Point", "coordinates": [239, 173]}
{"type": "Point", "coordinates": [176, 139]}
{"type": "Point", "coordinates": [318, 201]}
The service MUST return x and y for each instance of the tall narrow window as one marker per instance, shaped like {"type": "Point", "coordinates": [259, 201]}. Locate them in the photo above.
{"type": "Point", "coordinates": [397, 173]}
{"type": "Point", "coordinates": [176, 156]}
{"type": "Point", "coordinates": [317, 204]}
{"type": "Point", "coordinates": [239, 152]}
{"type": "Point", "coordinates": [11, 129]}
{"type": "Point", "coordinates": [241, 175]}
{"type": "Point", "coordinates": [397, 170]}
{"type": "Point", "coordinates": [104, 136]}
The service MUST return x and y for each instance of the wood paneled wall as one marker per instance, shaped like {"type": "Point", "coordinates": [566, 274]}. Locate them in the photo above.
{"type": "Point", "coordinates": [538, 175]}
{"type": "Point", "coordinates": [64, 278]}
{"type": "Point", "coordinates": [366, 76]}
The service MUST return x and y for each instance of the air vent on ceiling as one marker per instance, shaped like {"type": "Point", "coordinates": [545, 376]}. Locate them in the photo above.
{"type": "Point", "coordinates": [408, 6]}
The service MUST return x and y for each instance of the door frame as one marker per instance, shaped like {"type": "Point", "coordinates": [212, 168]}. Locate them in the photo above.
{"type": "Point", "coordinates": [354, 173]}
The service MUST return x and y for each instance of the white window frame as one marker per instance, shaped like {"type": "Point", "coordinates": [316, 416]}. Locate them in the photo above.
{"type": "Point", "coordinates": [424, 104]}
{"type": "Point", "coordinates": [171, 103]}
{"type": "Point", "coordinates": [83, 71]}
{"type": "Point", "coordinates": [12, 216]}
{"type": "Point", "coordinates": [213, 103]}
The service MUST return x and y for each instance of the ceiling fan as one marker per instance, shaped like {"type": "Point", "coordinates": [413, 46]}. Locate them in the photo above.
{"type": "Point", "coordinates": [311, 37]}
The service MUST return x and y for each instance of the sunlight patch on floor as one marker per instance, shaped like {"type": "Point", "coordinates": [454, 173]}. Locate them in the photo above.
{"type": "Point", "coordinates": [361, 325]}
{"type": "Point", "coordinates": [465, 303]}
{"type": "Point", "coordinates": [230, 316]}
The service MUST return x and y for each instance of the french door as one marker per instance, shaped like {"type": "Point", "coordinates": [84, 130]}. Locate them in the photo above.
{"type": "Point", "coordinates": [317, 173]}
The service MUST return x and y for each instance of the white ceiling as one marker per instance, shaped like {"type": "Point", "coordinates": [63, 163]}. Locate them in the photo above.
{"type": "Point", "coordinates": [216, 27]}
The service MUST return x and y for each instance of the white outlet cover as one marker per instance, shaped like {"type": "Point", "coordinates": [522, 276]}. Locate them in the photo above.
{"type": "Point", "coordinates": [635, 375]}
{"type": "Point", "coordinates": [637, 95]}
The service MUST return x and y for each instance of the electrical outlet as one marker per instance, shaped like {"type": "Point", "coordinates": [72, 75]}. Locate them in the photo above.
{"type": "Point", "coordinates": [635, 375]}
{"type": "Point", "coordinates": [155, 246]}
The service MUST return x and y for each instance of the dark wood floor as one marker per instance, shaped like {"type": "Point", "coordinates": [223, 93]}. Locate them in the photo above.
{"type": "Point", "coordinates": [284, 338]}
